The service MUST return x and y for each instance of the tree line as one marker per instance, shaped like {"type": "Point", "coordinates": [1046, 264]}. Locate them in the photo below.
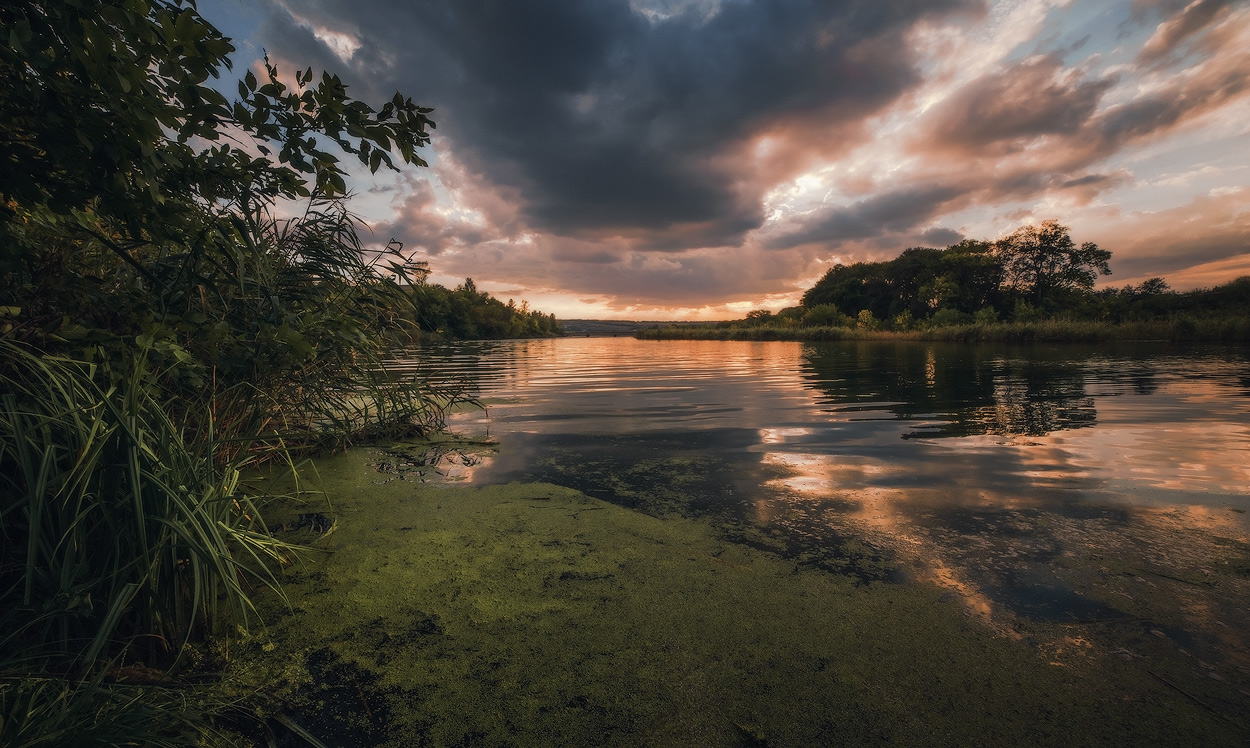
{"type": "Point", "coordinates": [465, 313]}
{"type": "Point", "coordinates": [1035, 273]}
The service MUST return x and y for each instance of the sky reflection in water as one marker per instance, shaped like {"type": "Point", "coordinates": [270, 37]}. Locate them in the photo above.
{"type": "Point", "coordinates": [923, 449]}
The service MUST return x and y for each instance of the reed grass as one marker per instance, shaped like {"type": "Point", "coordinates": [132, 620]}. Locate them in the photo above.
{"type": "Point", "coordinates": [127, 532]}
{"type": "Point", "coordinates": [42, 712]}
{"type": "Point", "coordinates": [311, 370]}
{"type": "Point", "coordinates": [123, 538]}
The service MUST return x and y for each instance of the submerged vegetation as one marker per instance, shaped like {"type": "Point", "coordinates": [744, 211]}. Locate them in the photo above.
{"type": "Point", "coordinates": [1034, 285]}
{"type": "Point", "coordinates": [533, 614]}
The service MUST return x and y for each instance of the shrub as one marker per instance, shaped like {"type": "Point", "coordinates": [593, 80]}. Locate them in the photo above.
{"type": "Point", "coordinates": [948, 317]}
{"type": "Point", "coordinates": [826, 315]}
{"type": "Point", "coordinates": [985, 316]}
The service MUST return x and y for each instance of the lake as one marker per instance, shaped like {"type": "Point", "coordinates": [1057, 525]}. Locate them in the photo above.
{"type": "Point", "coordinates": [655, 543]}
{"type": "Point", "coordinates": [990, 470]}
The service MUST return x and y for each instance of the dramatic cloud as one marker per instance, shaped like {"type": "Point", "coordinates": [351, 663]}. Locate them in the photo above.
{"type": "Point", "coordinates": [608, 121]}
{"type": "Point", "coordinates": [895, 212]}
{"type": "Point", "coordinates": [1169, 34]}
{"type": "Point", "coordinates": [651, 156]}
{"type": "Point", "coordinates": [1006, 111]}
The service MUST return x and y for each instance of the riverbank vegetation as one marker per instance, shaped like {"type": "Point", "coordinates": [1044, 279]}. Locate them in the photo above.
{"type": "Point", "coordinates": [184, 294]}
{"type": "Point", "coordinates": [1181, 328]}
{"type": "Point", "coordinates": [465, 313]}
{"type": "Point", "coordinates": [1034, 285]}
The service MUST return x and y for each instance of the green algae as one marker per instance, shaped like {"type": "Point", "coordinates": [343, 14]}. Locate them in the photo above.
{"type": "Point", "coordinates": [530, 614]}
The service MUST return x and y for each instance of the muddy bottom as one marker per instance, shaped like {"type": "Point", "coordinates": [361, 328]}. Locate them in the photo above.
{"type": "Point", "coordinates": [530, 614]}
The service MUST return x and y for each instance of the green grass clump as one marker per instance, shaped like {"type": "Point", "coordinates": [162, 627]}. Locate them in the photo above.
{"type": "Point", "coordinates": [47, 712]}
{"type": "Point", "coordinates": [123, 538]}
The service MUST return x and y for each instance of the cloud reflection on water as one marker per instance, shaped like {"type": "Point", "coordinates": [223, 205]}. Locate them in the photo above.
{"type": "Point", "coordinates": [977, 467]}
{"type": "Point", "coordinates": [1015, 441]}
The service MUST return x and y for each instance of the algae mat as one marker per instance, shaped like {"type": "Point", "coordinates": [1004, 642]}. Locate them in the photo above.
{"type": "Point", "coordinates": [533, 615]}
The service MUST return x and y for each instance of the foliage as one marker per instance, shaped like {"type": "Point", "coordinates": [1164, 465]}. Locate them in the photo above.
{"type": "Point", "coordinates": [986, 316]}
{"type": "Point", "coordinates": [51, 712]}
{"type": "Point", "coordinates": [120, 530]}
{"type": "Point", "coordinates": [167, 315]}
{"type": "Point", "coordinates": [947, 316]}
{"type": "Point", "coordinates": [1148, 311]}
{"type": "Point", "coordinates": [965, 276]}
{"type": "Point", "coordinates": [825, 315]}
{"type": "Point", "coordinates": [1033, 274]}
{"type": "Point", "coordinates": [129, 220]}
{"type": "Point", "coordinates": [104, 105]}
{"type": "Point", "coordinates": [866, 321]}
{"type": "Point", "coordinates": [1180, 329]}
{"type": "Point", "coordinates": [467, 313]}
{"type": "Point", "coordinates": [1041, 262]}
{"type": "Point", "coordinates": [850, 288]}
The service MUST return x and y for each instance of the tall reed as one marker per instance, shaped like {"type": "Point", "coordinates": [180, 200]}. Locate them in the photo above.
{"type": "Point", "coordinates": [292, 342]}
{"type": "Point", "coordinates": [42, 712]}
{"type": "Point", "coordinates": [122, 537]}
{"type": "Point", "coordinates": [126, 530]}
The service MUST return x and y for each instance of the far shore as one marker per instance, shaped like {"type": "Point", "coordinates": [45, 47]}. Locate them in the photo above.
{"type": "Point", "coordinates": [1181, 329]}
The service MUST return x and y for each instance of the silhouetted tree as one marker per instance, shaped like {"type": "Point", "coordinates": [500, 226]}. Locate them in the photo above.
{"type": "Point", "coordinates": [1040, 261]}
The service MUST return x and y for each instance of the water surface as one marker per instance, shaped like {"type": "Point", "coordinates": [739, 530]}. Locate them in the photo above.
{"type": "Point", "coordinates": [990, 470]}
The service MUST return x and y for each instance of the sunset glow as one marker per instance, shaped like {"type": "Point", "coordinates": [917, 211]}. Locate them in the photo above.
{"type": "Point", "coordinates": [686, 159]}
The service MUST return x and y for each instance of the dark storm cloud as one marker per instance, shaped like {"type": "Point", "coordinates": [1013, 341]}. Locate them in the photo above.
{"type": "Point", "coordinates": [608, 122]}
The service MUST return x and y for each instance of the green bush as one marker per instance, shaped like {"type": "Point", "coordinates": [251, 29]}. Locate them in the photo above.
{"type": "Point", "coordinates": [949, 317]}
{"type": "Point", "coordinates": [826, 315]}
{"type": "Point", "coordinates": [985, 316]}
{"type": "Point", "coordinates": [903, 322]}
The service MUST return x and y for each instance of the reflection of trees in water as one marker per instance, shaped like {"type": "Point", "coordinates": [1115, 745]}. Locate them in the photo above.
{"type": "Point", "coordinates": [1032, 408]}
{"type": "Point", "coordinates": [465, 364]}
{"type": "Point", "coordinates": [1138, 376]}
{"type": "Point", "coordinates": [961, 390]}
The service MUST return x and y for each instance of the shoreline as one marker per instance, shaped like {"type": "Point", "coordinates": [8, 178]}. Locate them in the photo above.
{"type": "Point", "coordinates": [1051, 331]}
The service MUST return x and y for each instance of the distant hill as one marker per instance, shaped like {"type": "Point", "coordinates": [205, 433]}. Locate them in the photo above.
{"type": "Point", "coordinates": [607, 328]}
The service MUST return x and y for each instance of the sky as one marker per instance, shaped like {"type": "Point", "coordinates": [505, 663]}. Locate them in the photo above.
{"type": "Point", "coordinates": [697, 159]}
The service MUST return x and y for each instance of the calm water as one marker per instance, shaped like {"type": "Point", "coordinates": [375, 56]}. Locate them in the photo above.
{"type": "Point", "coordinates": [967, 465]}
